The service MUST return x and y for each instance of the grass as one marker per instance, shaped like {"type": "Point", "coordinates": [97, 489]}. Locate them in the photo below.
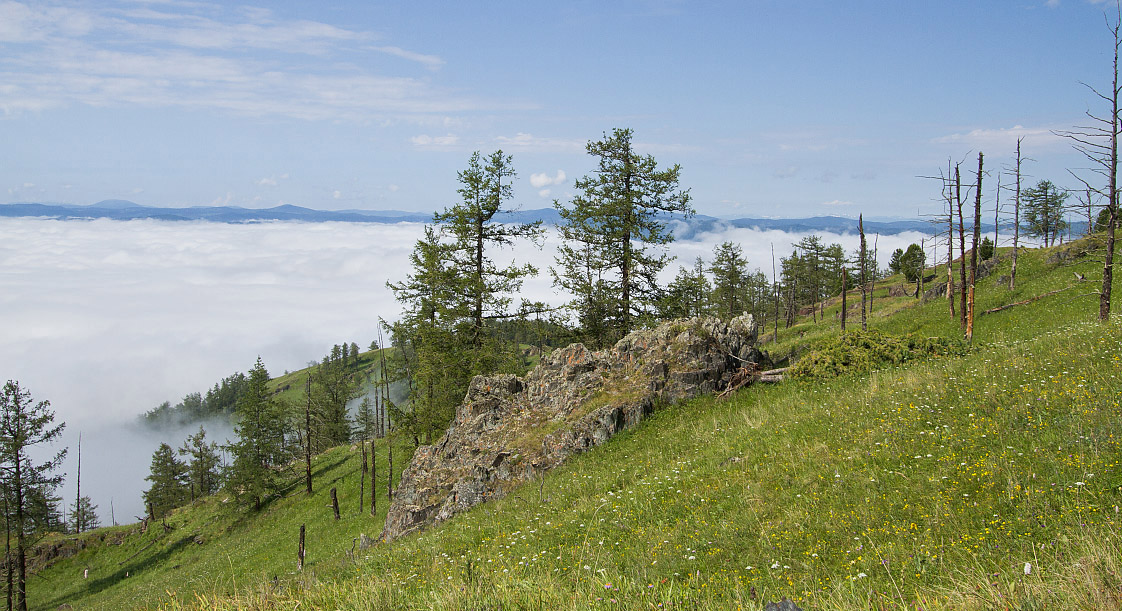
{"type": "Point", "coordinates": [927, 485]}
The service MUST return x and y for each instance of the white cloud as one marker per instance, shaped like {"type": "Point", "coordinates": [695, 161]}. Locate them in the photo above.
{"type": "Point", "coordinates": [178, 306]}
{"type": "Point", "coordinates": [528, 142]}
{"type": "Point", "coordinates": [544, 193]}
{"type": "Point", "coordinates": [267, 182]}
{"type": "Point", "coordinates": [1003, 139]}
{"type": "Point", "coordinates": [544, 180]}
{"type": "Point", "coordinates": [432, 62]}
{"type": "Point", "coordinates": [144, 57]}
{"type": "Point", "coordinates": [337, 195]}
{"type": "Point", "coordinates": [435, 141]}
{"type": "Point", "coordinates": [837, 202]}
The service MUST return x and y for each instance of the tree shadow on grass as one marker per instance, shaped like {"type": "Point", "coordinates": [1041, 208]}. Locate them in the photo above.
{"type": "Point", "coordinates": [127, 569]}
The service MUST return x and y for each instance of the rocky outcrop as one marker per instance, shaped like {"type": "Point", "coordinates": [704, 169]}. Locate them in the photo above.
{"type": "Point", "coordinates": [509, 429]}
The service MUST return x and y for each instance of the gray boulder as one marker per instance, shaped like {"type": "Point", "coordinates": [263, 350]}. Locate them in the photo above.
{"type": "Point", "coordinates": [509, 429]}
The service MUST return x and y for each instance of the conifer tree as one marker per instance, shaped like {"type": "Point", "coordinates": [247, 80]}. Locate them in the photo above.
{"type": "Point", "coordinates": [28, 485]}
{"type": "Point", "coordinates": [606, 262]}
{"type": "Point", "coordinates": [259, 450]}
{"type": "Point", "coordinates": [730, 274]}
{"type": "Point", "coordinates": [203, 477]}
{"type": "Point", "coordinates": [169, 482]}
{"type": "Point", "coordinates": [476, 228]}
{"type": "Point", "coordinates": [83, 514]}
{"type": "Point", "coordinates": [688, 294]}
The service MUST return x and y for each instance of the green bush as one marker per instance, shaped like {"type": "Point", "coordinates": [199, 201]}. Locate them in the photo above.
{"type": "Point", "coordinates": [861, 351]}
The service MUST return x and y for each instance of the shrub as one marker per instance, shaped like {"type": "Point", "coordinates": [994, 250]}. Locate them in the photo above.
{"type": "Point", "coordinates": [861, 351]}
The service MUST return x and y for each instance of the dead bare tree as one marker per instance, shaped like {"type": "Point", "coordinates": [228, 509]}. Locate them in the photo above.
{"type": "Point", "coordinates": [1098, 143]}
{"type": "Point", "coordinates": [974, 250]}
{"type": "Point", "coordinates": [949, 195]}
{"type": "Point", "coordinates": [996, 213]}
{"type": "Point", "coordinates": [864, 272]}
{"type": "Point", "coordinates": [1016, 217]}
{"type": "Point", "coordinates": [961, 247]}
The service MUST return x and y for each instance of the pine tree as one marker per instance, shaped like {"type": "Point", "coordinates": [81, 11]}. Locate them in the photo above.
{"type": "Point", "coordinates": [618, 214]}
{"type": "Point", "coordinates": [1044, 209]}
{"type": "Point", "coordinates": [430, 340]}
{"type": "Point", "coordinates": [259, 450]}
{"type": "Point", "coordinates": [169, 488]}
{"type": "Point", "coordinates": [28, 485]}
{"type": "Point", "coordinates": [203, 476]}
{"type": "Point", "coordinates": [729, 269]}
{"type": "Point", "coordinates": [476, 228]}
{"type": "Point", "coordinates": [83, 515]}
{"type": "Point", "coordinates": [688, 294]}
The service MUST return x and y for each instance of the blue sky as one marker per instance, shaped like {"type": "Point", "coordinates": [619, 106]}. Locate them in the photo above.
{"type": "Point", "coordinates": [772, 108]}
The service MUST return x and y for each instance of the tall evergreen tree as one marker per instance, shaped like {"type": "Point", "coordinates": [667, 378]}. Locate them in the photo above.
{"type": "Point", "coordinates": [25, 424]}
{"type": "Point", "coordinates": [619, 212]}
{"type": "Point", "coordinates": [203, 476]}
{"type": "Point", "coordinates": [730, 274]}
{"type": "Point", "coordinates": [83, 514]}
{"type": "Point", "coordinates": [1044, 210]}
{"type": "Point", "coordinates": [259, 450]}
{"type": "Point", "coordinates": [476, 227]}
{"type": "Point", "coordinates": [429, 338]}
{"type": "Point", "coordinates": [169, 487]}
{"type": "Point", "coordinates": [688, 294]}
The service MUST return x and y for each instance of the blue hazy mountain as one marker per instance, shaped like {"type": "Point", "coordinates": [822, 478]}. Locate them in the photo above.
{"type": "Point", "coordinates": [684, 228]}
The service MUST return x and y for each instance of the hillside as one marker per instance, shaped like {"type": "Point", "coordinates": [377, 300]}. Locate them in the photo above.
{"type": "Point", "coordinates": [983, 481]}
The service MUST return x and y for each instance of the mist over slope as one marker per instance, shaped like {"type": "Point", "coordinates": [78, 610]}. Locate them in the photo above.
{"type": "Point", "coordinates": [108, 319]}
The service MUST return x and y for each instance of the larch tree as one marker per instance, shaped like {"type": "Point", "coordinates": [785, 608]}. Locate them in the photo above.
{"type": "Point", "coordinates": [730, 275]}
{"type": "Point", "coordinates": [619, 213]}
{"type": "Point", "coordinates": [476, 227]}
{"type": "Point", "coordinates": [169, 487]}
{"type": "Point", "coordinates": [27, 483]}
{"type": "Point", "coordinates": [203, 475]}
{"type": "Point", "coordinates": [259, 450]}
{"type": "Point", "coordinates": [1044, 209]}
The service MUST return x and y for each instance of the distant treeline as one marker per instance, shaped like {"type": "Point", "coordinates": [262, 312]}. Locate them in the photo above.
{"type": "Point", "coordinates": [219, 401]}
{"type": "Point", "coordinates": [222, 398]}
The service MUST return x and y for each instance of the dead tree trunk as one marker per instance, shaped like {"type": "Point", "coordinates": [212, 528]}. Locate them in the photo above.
{"type": "Point", "coordinates": [389, 472]}
{"type": "Point", "coordinates": [335, 503]}
{"type": "Point", "coordinates": [300, 551]}
{"type": "Point", "coordinates": [1016, 219]}
{"type": "Point", "coordinates": [974, 250]}
{"type": "Point", "coordinates": [373, 478]}
{"type": "Point", "coordinates": [362, 478]}
{"type": "Point", "coordinates": [845, 290]}
{"type": "Point", "coordinates": [308, 433]}
{"type": "Point", "coordinates": [961, 247]}
{"type": "Point", "coordinates": [864, 273]}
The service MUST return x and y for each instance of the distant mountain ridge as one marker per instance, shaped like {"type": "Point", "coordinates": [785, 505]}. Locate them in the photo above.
{"type": "Point", "coordinates": [123, 210]}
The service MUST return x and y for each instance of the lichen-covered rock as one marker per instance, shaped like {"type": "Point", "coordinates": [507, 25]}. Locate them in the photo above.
{"type": "Point", "coordinates": [508, 429]}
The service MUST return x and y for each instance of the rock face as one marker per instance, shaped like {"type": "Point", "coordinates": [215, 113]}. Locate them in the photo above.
{"type": "Point", "coordinates": [508, 429]}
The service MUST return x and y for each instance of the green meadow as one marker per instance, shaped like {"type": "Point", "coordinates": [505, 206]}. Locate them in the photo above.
{"type": "Point", "coordinates": [982, 478]}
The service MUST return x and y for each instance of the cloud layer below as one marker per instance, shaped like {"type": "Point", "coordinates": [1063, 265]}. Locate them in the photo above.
{"type": "Point", "coordinates": [108, 319]}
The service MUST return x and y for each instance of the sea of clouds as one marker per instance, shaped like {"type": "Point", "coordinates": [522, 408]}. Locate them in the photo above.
{"type": "Point", "coordinates": [107, 319]}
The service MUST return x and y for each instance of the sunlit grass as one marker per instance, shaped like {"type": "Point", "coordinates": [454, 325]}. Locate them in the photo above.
{"type": "Point", "coordinates": [989, 481]}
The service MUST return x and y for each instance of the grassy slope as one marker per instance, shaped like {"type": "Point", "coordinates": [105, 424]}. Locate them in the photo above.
{"type": "Point", "coordinates": [927, 486]}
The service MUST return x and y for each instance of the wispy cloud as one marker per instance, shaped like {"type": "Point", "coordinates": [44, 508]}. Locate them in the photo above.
{"type": "Point", "coordinates": [1002, 138]}
{"type": "Point", "coordinates": [432, 62]}
{"type": "Point", "coordinates": [528, 142]}
{"type": "Point", "coordinates": [206, 57]}
{"type": "Point", "coordinates": [425, 140]}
